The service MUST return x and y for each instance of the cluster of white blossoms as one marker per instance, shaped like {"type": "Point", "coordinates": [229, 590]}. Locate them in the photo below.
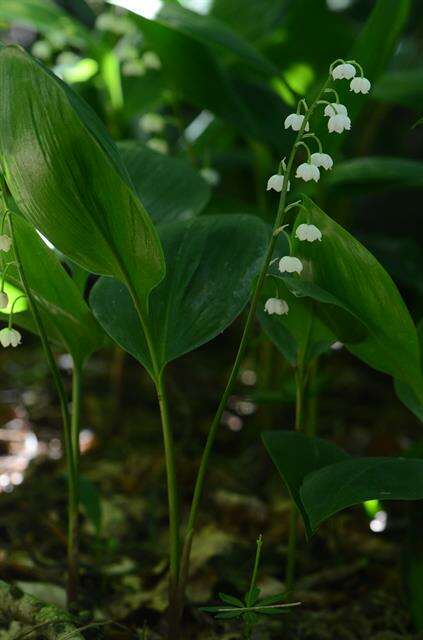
{"type": "Point", "coordinates": [338, 122]}
{"type": "Point", "coordinates": [9, 337]}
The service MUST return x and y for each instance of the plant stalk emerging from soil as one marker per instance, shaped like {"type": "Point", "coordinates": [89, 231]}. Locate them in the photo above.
{"type": "Point", "coordinates": [199, 484]}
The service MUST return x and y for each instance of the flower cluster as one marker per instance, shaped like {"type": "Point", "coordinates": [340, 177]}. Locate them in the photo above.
{"type": "Point", "coordinates": [338, 122]}
{"type": "Point", "coordinates": [9, 337]}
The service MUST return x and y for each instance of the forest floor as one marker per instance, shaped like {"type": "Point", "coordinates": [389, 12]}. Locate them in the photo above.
{"type": "Point", "coordinates": [353, 583]}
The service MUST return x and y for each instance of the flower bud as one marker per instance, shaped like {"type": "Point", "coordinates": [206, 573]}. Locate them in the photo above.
{"type": "Point", "coordinates": [308, 232]}
{"type": "Point", "coordinates": [10, 337]}
{"type": "Point", "coordinates": [275, 182]}
{"type": "Point", "coordinates": [360, 85]}
{"type": "Point", "coordinates": [290, 264]}
{"type": "Point", "coordinates": [344, 71]}
{"type": "Point", "coordinates": [307, 172]}
{"type": "Point", "coordinates": [5, 243]}
{"type": "Point", "coordinates": [276, 306]}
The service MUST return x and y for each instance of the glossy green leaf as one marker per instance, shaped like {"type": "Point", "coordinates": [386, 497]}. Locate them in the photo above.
{"type": "Point", "coordinates": [169, 188]}
{"type": "Point", "coordinates": [66, 316]}
{"type": "Point", "coordinates": [405, 392]}
{"type": "Point", "coordinates": [343, 268]}
{"type": "Point", "coordinates": [212, 261]}
{"type": "Point", "coordinates": [295, 456]}
{"type": "Point", "coordinates": [344, 484]}
{"type": "Point", "coordinates": [377, 172]}
{"type": "Point", "coordinates": [68, 180]}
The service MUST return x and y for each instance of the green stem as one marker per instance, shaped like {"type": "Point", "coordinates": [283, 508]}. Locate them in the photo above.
{"type": "Point", "coordinates": [73, 523]}
{"type": "Point", "coordinates": [293, 521]}
{"type": "Point", "coordinates": [292, 548]}
{"type": "Point", "coordinates": [173, 500]}
{"type": "Point", "coordinates": [255, 571]}
{"type": "Point", "coordinates": [172, 484]}
{"type": "Point", "coordinates": [199, 484]}
{"type": "Point", "coordinates": [72, 585]}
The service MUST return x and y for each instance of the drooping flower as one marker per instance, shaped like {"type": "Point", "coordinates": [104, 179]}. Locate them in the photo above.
{"type": "Point", "coordinates": [360, 85]}
{"type": "Point", "coordinates": [334, 108]}
{"type": "Point", "coordinates": [5, 243]}
{"type": "Point", "coordinates": [339, 123]}
{"type": "Point", "coordinates": [295, 121]}
{"type": "Point", "coordinates": [308, 232]}
{"type": "Point", "coordinates": [152, 61]}
{"type": "Point", "coordinates": [10, 337]}
{"type": "Point", "coordinates": [276, 306]}
{"type": "Point", "coordinates": [290, 264]}
{"type": "Point", "coordinates": [321, 160]}
{"type": "Point", "coordinates": [210, 175]}
{"type": "Point", "coordinates": [159, 145]}
{"type": "Point", "coordinates": [4, 300]}
{"type": "Point", "coordinates": [344, 71]}
{"type": "Point", "coordinates": [307, 171]}
{"type": "Point", "coordinates": [275, 182]}
{"type": "Point", "coordinates": [152, 123]}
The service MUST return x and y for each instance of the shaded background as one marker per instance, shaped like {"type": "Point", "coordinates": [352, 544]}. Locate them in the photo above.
{"type": "Point", "coordinates": [224, 86]}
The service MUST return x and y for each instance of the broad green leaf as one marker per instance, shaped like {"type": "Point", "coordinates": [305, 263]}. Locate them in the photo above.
{"type": "Point", "coordinates": [68, 180]}
{"type": "Point", "coordinates": [377, 172]}
{"type": "Point", "coordinates": [342, 267]}
{"type": "Point", "coordinates": [66, 316]}
{"type": "Point", "coordinates": [403, 87]}
{"type": "Point", "coordinates": [295, 456]}
{"type": "Point", "coordinates": [169, 188]}
{"type": "Point", "coordinates": [212, 261]}
{"type": "Point", "coordinates": [344, 484]}
{"type": "Point", "coordinates": [405, 393]}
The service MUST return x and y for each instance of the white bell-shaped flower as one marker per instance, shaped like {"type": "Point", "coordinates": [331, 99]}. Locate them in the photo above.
{"type": "Point", "coordinates": [276, 306]}
{"type": "Point", "coordinates": [295, 121]}
{"type": "Point", "coordinates": [210, 175]}
{"type": "Point", "coordinates": [360, 85]}
{"type": "Point", "coordinates": [321, 160]}
{"type": "Point", "coordinates": [290, 264]}
{"type": "Point", "coordinates": [334, 108]}
{"type": "Point", "coordinates": [5, 243]}
{"type": "Point", "coordinates": [152, 123]}
{"type": "Point", "coordinates": [4, 300]}
{"type": "Point", "coordinates": [10, 337]}
{"type": "Point", "coordinates": [339, 123]}
{"type": "Point", "coordinates": [308, 232]}
{"type": "Point", "coordinates": [307, 171]}
{"type": "Point", "coordinates": [344, 71]}
{"type": "Point", "coordinates": [275, 182]}
{"type": "Point", "coordinates": [159, 145]}
{"type": "Point", "coordinates": [151, 60]}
